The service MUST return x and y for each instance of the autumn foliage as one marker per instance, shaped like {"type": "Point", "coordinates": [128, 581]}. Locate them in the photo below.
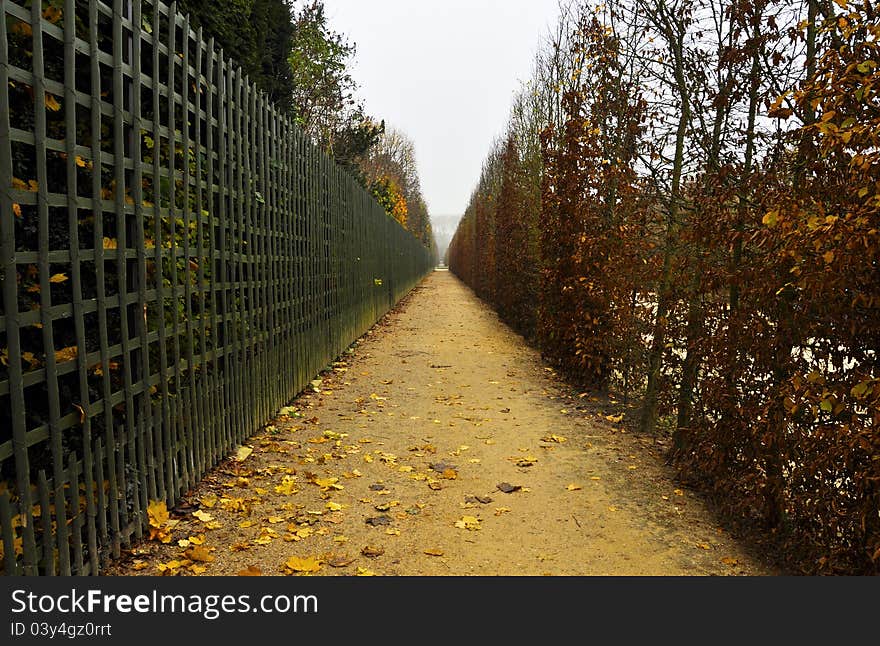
{"type": "Point", "coordinates": [706, 240]}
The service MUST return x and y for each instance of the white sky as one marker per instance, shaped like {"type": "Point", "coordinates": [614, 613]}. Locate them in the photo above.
{"type": "Point", "coordinates": [444, 72]}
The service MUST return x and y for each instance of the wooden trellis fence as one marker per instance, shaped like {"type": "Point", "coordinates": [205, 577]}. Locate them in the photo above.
{"type": "Point", "coordinates": [178, 261]}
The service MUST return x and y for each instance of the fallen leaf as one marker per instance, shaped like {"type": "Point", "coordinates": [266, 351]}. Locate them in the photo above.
{"type": "Point", "coordinates": [199, 553]}
{"type": "Point", "coordinates": [160, 521]}
{"type": "Point", "coordinates": [327, 484]}
{"type": "Point", "coordinates": [471, 523]}
{"type": "Point", "coordinates": [615, 419]}
{"type": "Point", "coordinates": [729, 560]}
{"type": "Point", "coordinates": [506, 487]}
{"type": "Point", "coordinates": [612, 508]}
{"type": "Point", "coordinates": [574, 487]}
{"type": "Point", "coordinates": [242, 453]}
{"type": "Point", "coordinates": [287, 486]}
{"type": "Point", "coordinates": [363, 571]}
{"type": "Point", "coordinates": [297, 564]}
{"type": "Point", "coordinates": [16, 209]}
{"type": "Point", "coordinates": [501, 510]}
{"type": "Point", "coordinates": [434, 552]}
{"type": "Point", "coordinates": [339, 561]}
{"type": "Point", "coordinates": [554, 438]}
{"type": "Point", "coordinates": [276, 519]}
{"type": "Point", "coordinates": [252, 570]}
{"type": "Point", "coordinates": [334, 506]}
{"type": "Point", "coordinates": [392, 532]}
{"type": "Point", "coordinates": [449, 474]}
{"type": "Point", "coordinates": [376, 521]}
{"type": "Point", "coordinates": [203, 516]}
{"type": "Point", "coordinates": [208, 500]}
{"type": "Point", "coordinates": [373, 551]}
{"type": "Point", "coordinates": [58, 278]}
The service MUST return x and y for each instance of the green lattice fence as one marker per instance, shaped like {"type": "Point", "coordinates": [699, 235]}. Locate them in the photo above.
{"type": "Point", "coordinates": [178, 261]}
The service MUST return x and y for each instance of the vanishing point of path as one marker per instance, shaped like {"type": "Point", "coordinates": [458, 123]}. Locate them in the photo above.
{"type": "Point", "coordinates": [392, 465]}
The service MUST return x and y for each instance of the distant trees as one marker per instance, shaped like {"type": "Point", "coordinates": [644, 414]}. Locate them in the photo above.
{"type": "Point", "coordinates": [389, 171]}
{"type": "Point", "coordinates": [288, 48]}
{"type": "Point", "coordinates": [684, 208]}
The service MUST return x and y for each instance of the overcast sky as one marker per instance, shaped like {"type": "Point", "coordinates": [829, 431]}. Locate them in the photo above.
{"type": "Point", "coordinates": [444, 72]}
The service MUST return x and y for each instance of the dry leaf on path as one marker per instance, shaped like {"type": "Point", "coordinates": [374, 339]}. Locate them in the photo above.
{"type": "Point", "coordinates": [296, 564]}
{"type": "Point", "coordinates": [373, 551]}
{"type": "Point", "coordinates": [470, 523]}
{"type": "Point", "coordinates": [434, 552]}
{"type": "Point", "coordinates": [252, 570]}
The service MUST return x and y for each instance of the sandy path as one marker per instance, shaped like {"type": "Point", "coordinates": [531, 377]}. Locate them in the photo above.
{"type": "Point", "coordinates": [420, 422]}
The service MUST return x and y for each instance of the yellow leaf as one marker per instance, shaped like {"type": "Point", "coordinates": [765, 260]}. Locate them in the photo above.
{"type": "Point", "coordinates": [554, 438]}
{"type": "Point", "coordinates": [433, 552]}
{"type": "Point", "coordinates": [615, 419]}
{"type": "Point", "coordinates": [140, 565]}
{"type": "Point", "coordinates": [334, 506]}
{"type": "Point", "coordinates": [200, 554]}
{"type": "Point", "coordinates": [573, 487]}
{"type": "Point", "coordinates": [58, 278]}
{"type": "Point", "coordinates": [327, 483]}
{"type": "Point", "coordinates": [771, 218]}
{"type": "Point", "coordinates": [828, 257]}
{"type": "Point", "coordinates": [297, 564]}
{"type": "Point", "coordinates": [66, 354]}
{"type": "Point", "coordinates": [287, 486]}
{"type": "Point", "coordinates": [157, 513]}
{"type": "Point", "coordinates": [16, 209]}
{"type": "Point", "coordinates": [52, 103]}
{"type": "Point", "coordinates": [208, 500]}
{"type": "Point", "coordinates": [449, 474]}
{"type": "Point", "coordinates": [109, 243]}
{"type": "Point", "coordinates": [203, 516]}
{"type": "Point", "coordinates": [471, 523]}
{"type": "Point", "coordinates": [199, 539]}
{"type": "Point", "coordinates": [363, 571]}
{"type": "Point", "coordinates": [252, 570]}
{"type": "Point", "coordinates": [276, 519]}
{"type": "Point", "coordinates": [501, 510]}
{"type": "Point", "coordinates": [729, 560]}
{"type": "Point", "coordinates": [242, 453]}
{"type": "Point", "coordinates": [247, 523]}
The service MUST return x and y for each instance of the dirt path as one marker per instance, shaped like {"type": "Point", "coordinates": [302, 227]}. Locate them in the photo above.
{"type": "Point", "coordinates": [393, 468]}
